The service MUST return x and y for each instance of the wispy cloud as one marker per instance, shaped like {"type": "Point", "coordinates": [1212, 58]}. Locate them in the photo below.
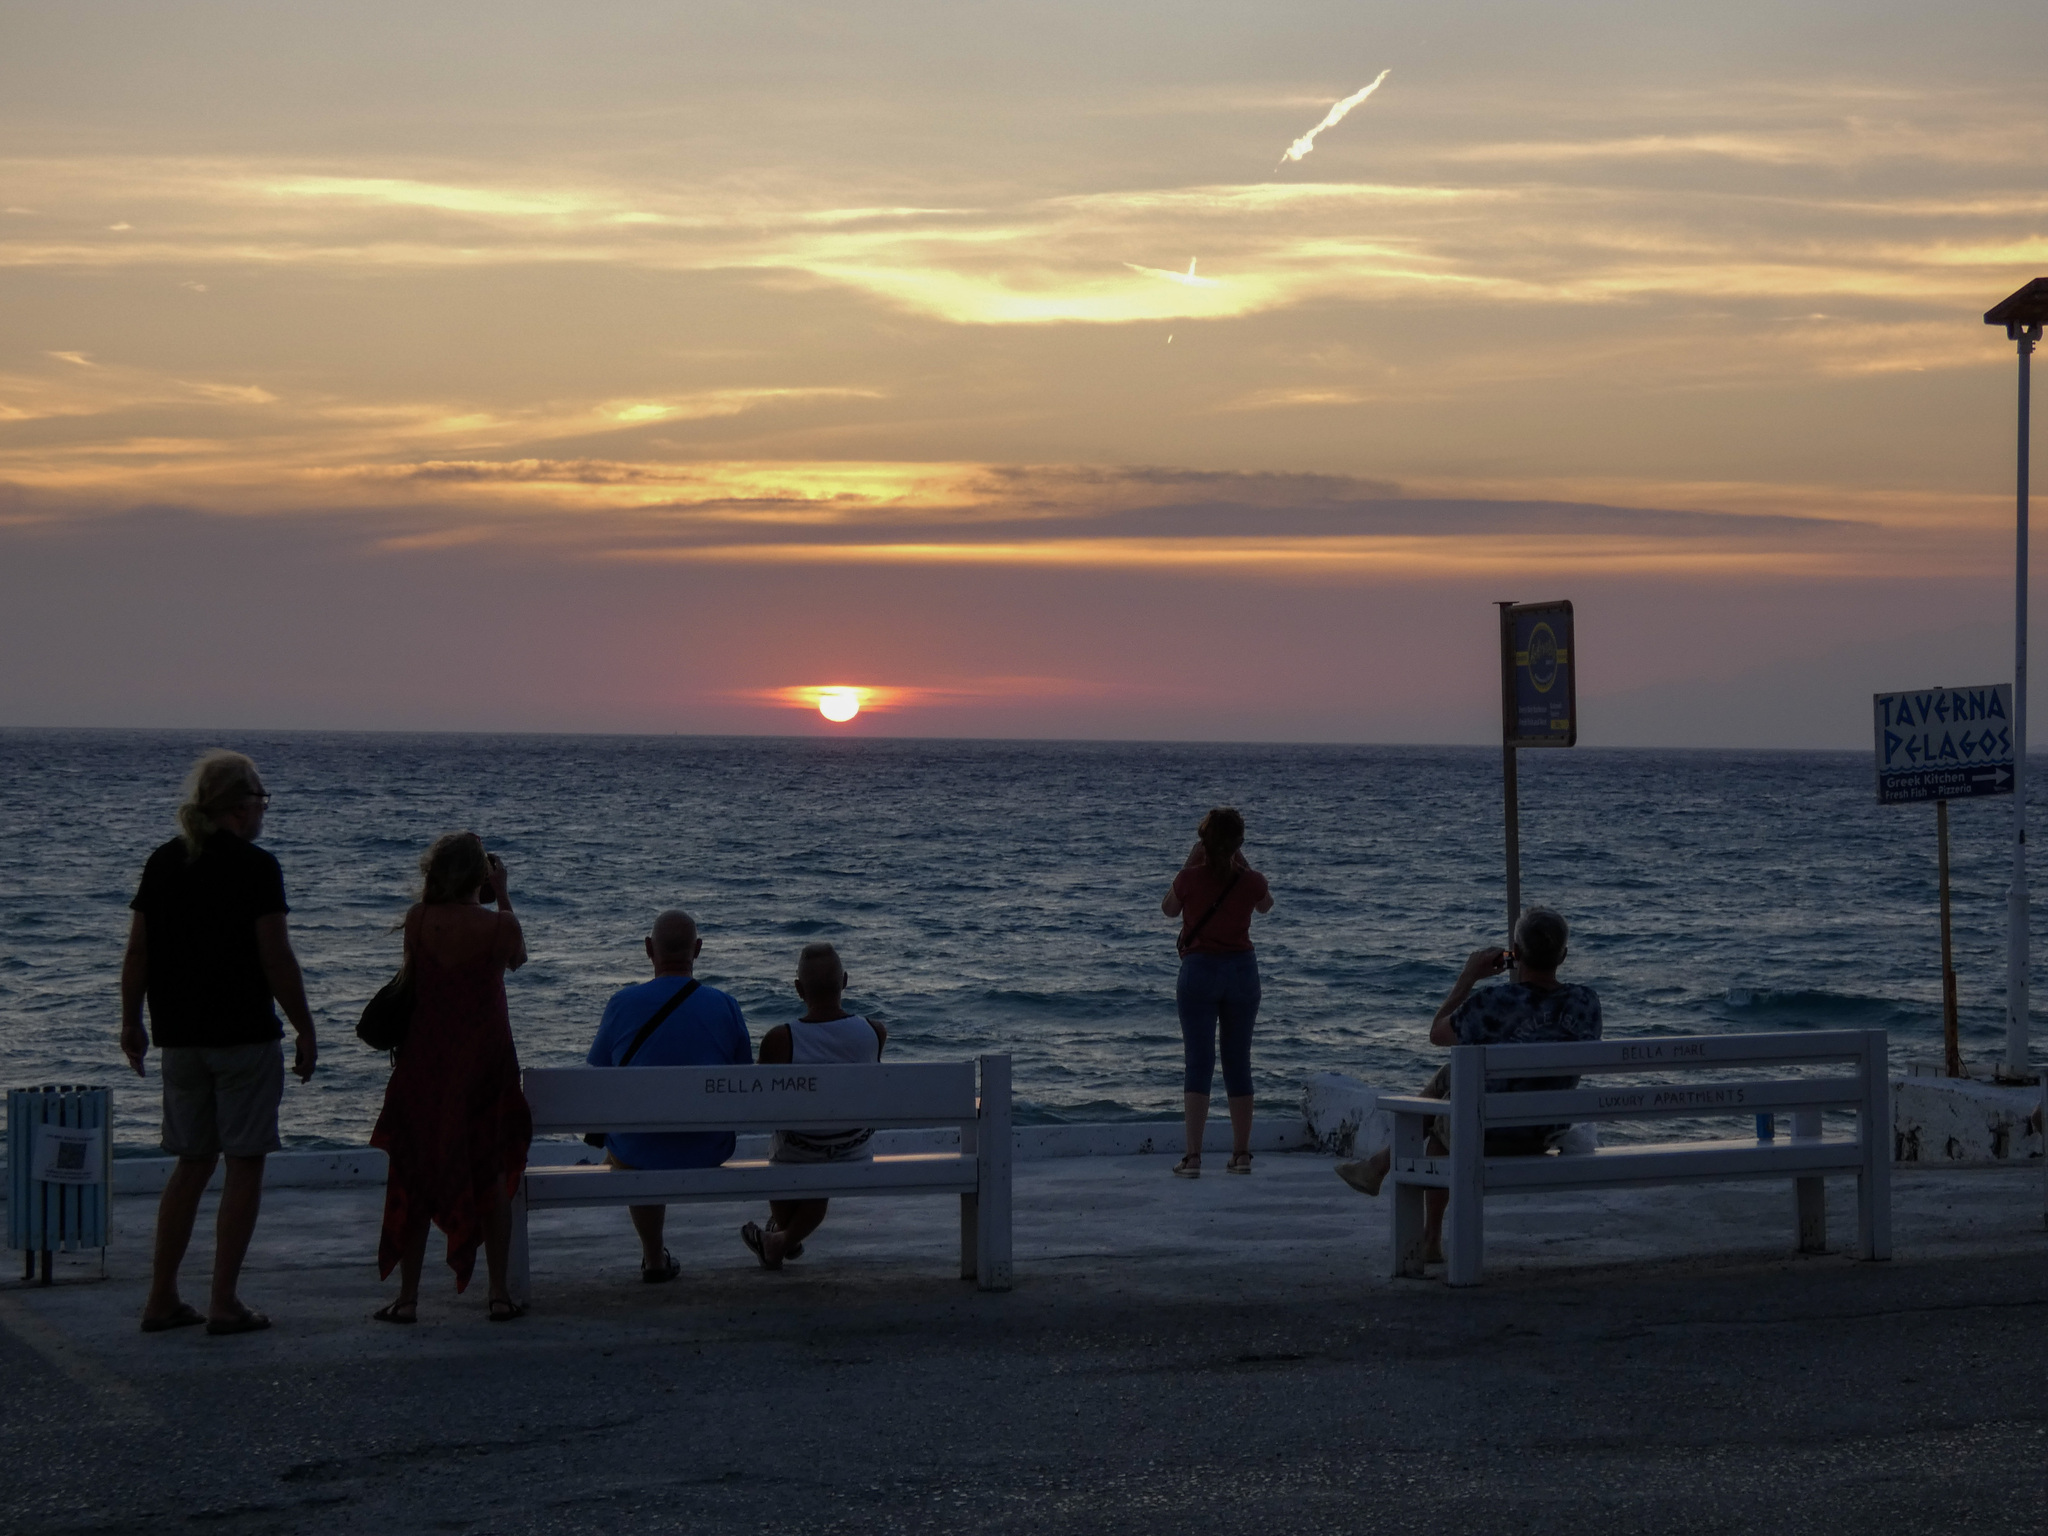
{"type": "Point", "coordinates": [1271, 527]}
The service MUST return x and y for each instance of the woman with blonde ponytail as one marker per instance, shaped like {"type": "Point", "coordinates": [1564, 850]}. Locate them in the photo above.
{"type": "Point", "coordinates": [209, 953]}
{"type": "Point", "coordinates": [1215, 895]}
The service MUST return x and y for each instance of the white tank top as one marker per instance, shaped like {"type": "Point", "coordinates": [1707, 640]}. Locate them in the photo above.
{"type": "Point", "coordinates": [851, 1039]}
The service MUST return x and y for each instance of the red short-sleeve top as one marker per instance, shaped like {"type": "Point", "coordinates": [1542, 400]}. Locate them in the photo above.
{"type": "Point", "coordinates": [1229, 932]}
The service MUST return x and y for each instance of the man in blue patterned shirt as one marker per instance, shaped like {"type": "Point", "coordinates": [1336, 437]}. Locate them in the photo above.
{"type": "Point", "coordinates": [1532, 1007]}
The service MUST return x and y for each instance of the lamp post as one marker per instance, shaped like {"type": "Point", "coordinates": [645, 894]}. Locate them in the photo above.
{"type": "Point", "coordinates": [2022, 315]}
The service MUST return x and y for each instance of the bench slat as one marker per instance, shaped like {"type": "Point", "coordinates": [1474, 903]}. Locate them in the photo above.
{"type": "Point", "coordinates": [1675, 1162]}
{"type": "Point", "coordinates": [807, 1097]}
{"type": "Point", "coordinates": [1553, 1106]}
{"type": "Point", "coordinates": [1674, 1051]}
{"type": "Point", "coordinates": [910, 1173]}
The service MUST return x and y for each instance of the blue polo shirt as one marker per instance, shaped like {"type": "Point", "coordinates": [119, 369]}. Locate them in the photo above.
{"type": "Point", "coordinates": [708, 1030]}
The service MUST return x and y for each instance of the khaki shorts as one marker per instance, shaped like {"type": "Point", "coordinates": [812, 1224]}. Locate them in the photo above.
{"type": "Point", "coordinates": [222, 1100]}
{"type": "Point", "coordinates": [1508, 1141]}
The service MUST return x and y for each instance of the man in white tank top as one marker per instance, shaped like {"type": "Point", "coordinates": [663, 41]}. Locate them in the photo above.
{"type": "Point", "coordinates": [825, 1032]}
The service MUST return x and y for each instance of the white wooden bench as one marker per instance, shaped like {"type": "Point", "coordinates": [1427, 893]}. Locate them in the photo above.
{"type": "Point", "coordinates": [1805, 1157]}
{"type": "Point", "coordinates": [784, 1098]}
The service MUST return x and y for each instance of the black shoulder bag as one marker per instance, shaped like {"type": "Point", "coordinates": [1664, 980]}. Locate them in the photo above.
{"type": "Point", "coordinates": [387, 1017]}
{"type": "Point", "coordinates": [1187, 936]}
{"type": "Point", "coordinates": [654, 1021]}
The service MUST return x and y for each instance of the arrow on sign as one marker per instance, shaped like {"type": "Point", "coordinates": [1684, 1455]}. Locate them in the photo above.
{"type": "Point", "coordinates": [1998, 778]}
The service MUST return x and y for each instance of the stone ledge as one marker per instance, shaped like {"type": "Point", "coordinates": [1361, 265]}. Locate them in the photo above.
{"type": "Point", "coordinates": [1955, 1120]}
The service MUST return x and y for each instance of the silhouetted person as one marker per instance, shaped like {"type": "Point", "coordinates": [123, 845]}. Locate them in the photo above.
{"type": "Point", "coordinates": [1217, 992]}
{"type": "Point", "coordinates": [1532, 1007]}
{"type": "Point", "coordinates": [207, 948]}
{"type": "Point", "coordinates": [704, 1027]}
{"type": "Point", "coordinates": [454, 1123]}
{"type": "Point", "coordinates": [825, 1032]}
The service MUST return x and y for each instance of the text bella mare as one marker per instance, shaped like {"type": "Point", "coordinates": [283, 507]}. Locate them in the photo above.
{"type": "Point", "coordinates": [760, 1082]}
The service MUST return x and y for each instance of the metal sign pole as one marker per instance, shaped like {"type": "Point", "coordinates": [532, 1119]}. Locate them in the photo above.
{"type": "Point", "coordinates": [1952, 1050]}
{"type": "Point", "coordinates": [1507, 772]}
{"type": "Point", "coordinates": [2017, 916]}
{"type": "Point", "coordinates": [1509, 792]}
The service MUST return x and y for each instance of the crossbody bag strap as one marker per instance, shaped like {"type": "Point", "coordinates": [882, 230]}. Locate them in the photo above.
{"type": "Point", "coordinates": [658, 1018]}
{"type": "Point", "coordinates": [1188, 935]}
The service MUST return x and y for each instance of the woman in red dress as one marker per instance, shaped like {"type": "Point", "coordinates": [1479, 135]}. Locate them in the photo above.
{"type": "Point", "coordinates": [454, 1123]}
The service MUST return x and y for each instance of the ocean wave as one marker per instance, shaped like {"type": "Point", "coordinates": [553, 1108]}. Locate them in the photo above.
{"type": "Point", "coordinates": [1761, 1007]}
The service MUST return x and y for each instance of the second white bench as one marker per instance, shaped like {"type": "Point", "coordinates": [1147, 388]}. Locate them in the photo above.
{"type": "Point", "coordinates": [1806, 1157]}
{"type": "Point", "coordinates": [783, 1098]}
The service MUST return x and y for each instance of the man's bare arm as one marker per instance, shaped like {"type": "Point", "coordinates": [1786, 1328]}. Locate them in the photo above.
{"type": "Point", "coordinates": [134, 983]}
{"type": "Point", "coordinates": [288, 986]}
{"type": "Point", "coordinates": [775, 1047]}
{"type": "Point", "coordinates": [1479, 964]}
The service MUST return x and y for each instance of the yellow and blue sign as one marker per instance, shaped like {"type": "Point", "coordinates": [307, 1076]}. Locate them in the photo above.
{"type": "Point", "coordinates": [1539, 667]}
{"type": "Point", "coordinates": [1944, 743]}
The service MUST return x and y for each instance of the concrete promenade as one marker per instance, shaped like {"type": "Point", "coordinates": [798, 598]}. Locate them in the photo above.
{"type": "Point", "coordinates": [1223, 1355]}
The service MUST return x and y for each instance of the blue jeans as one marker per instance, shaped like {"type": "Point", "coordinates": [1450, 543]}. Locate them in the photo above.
{"type": "Point", "coordinates": [1218, 991]}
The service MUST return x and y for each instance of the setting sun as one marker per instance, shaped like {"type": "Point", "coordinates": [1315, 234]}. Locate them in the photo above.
{"type": "Point", "coordinates": [839, 704]}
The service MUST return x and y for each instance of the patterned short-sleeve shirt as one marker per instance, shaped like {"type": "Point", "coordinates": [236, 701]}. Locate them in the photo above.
{"type": "Point", "coordinates": [1514, 1013]}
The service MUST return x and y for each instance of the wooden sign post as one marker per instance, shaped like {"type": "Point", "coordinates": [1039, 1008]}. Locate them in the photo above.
{"type": "Point", "coordinates": [1951, 1046]}
{"type": "Point", "coordinates": [1944, 744]}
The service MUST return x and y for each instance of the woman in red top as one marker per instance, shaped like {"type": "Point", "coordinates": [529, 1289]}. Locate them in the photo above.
{"type": "Point", "coordinates": [1214, 895]}
{"type": "Point", "coordinates": [455, 1124]}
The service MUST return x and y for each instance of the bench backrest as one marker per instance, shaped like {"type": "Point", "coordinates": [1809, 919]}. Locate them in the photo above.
{"type": "Point", "coordinates": [783, 1098]}
{"type": "Point", "coordinates": [1862, 1087]}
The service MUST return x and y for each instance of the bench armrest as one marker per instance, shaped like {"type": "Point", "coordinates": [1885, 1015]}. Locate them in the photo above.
{"type": "Point", "coordinates": [1409, 1104]}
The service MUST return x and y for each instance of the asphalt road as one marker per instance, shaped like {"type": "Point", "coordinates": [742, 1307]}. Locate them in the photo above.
{"type": "Point", "coordinates": [1204, 1387]}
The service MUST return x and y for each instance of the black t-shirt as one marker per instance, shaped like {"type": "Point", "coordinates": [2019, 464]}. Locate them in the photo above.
{"type": "Point", "coordinates": [206, 983]}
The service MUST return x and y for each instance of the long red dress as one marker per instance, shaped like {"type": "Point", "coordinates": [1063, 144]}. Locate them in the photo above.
{"type": "Point", "coordinates": [454, 1121]}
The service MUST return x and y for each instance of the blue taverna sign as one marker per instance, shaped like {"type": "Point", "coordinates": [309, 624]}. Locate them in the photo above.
{"type": "Point", "coordinates": [1944, 743]}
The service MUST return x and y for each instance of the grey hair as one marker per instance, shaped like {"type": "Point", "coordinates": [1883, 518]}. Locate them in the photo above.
{"type": "Point", "coordinates": [215, 786]}
{"type": "Point", "coordinates": [1540, 939]}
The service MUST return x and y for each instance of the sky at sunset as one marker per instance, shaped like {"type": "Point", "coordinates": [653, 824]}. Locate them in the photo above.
{"type": "Point", "coordinates": [641, 367]}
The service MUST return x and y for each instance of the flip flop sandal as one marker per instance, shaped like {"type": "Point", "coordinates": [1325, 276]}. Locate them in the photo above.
{"type": "Point", "coordinates": [186, 1316]}
{"type": "Point", "coordinates": [793, 1251]}
{"type": "Point", "coordinates": [502, 1311]}
{"type": "Point", "coordinates": [667, 1270]}
{"type": "Point", "coordinates": [1189, 1167]}
{"type": "Point", "coordinates": [391, 1314]}
{"type": "Point", "coordinates": [248, 1322]}
{"type": "Point", "coordinates": [751, 1235]}
{"type": "Point", "coordinates": [1240, 1162]}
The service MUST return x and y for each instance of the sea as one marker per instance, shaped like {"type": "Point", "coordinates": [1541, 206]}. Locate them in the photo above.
{"type": "Point", "coordinates": [1004, 896]}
